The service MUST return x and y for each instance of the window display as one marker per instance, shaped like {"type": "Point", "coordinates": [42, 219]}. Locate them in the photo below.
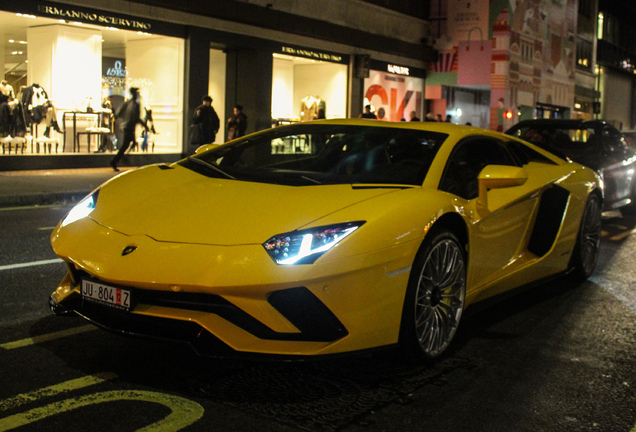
{"type": "Point", "coordinates": [63, 82]}
{"type": "Point", "coordinates": [395, 93]}
{"type": "Point", "coordinates": [302, 86]}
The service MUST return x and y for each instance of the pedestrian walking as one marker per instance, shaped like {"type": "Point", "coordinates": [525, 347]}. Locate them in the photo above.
{"type": "Point", "coordinates": [129, 114]}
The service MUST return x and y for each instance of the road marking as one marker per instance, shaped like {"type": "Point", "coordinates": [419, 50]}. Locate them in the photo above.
{"type": "Point", "coordinates": [183, 413]}
{"type": "Point", "coordinates": [34, 207]}
{"type": "Point", "coordinates": [47, 337]}
{"type": "Point", "coordinates": [31, 264]}
{"type": "Point", "coordinates": [54, 390]}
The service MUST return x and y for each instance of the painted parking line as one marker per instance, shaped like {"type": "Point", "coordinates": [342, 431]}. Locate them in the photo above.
{"type": "Point", "coordinates": [56, 389]}
{"type": "Point", "coordinates": [183, 412]}
{"type": "Point", "coordinates": [31, 264]}
{"type": "Point", "coordinates": [47, 337]}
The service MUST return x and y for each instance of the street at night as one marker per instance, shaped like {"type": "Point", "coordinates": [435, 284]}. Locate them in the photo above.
{"type": "Point", "coordinates": [557, 357]}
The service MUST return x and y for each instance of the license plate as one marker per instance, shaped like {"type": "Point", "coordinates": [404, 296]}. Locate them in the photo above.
{"type": "Point", "coordinates": [100, 293]}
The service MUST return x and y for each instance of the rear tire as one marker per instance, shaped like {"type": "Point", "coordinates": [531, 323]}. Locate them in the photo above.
{"type": "Point", "coordinates": [586, 250]}
{"type": "Point", "coordinates": [435, 297]}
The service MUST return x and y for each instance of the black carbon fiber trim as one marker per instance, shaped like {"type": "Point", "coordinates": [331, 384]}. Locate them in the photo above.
{"type": "Point", "coordinates": [554, 202]}
{"type": "Point", "coordinates": [303, 309]}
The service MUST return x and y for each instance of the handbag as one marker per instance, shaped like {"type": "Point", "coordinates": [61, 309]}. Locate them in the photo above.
{"type": "Point", "coordinates": [196, 134]}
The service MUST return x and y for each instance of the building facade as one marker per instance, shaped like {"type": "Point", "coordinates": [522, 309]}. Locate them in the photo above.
{"type": "Point", "coordinates": [501, 61]}
{"type": "Point", "coordinates": [70, 64]}
{"type": "Point", "coordinates": [616, 63]}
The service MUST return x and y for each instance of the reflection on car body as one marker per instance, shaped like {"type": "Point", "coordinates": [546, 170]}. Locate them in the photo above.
{"type": "Point", "coordinates": [327, 237]}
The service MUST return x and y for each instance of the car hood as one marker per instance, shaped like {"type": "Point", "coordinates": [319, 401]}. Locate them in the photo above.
{"type": "Point", "coordinates": [174, 204]}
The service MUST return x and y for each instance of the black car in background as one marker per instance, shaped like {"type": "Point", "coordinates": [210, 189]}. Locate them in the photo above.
{"type": "Point", "coordinates": [593, 143]}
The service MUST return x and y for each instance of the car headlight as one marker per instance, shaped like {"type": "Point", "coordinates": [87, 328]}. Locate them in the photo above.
{"type": "Point", "coordinates": [81, 209]}
{"type": "Point", "coordinates": [306, 246]}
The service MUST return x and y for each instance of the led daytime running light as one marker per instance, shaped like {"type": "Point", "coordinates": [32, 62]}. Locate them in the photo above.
{"type": "Point", "coordinates": [306, 246]}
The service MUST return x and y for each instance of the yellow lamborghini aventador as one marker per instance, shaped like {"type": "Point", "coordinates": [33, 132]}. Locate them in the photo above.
{"type": "Point", "coordinates": [326, 237]}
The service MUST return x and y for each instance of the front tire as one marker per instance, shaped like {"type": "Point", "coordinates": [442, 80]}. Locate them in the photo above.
{"type": "Point", "coordinates": [586, 251]}
{"type": "Point", "coordinates": [435, 297]}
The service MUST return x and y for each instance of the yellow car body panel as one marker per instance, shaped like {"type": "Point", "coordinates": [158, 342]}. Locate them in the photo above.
{"type": "Point", "coordinates": [204, 235]}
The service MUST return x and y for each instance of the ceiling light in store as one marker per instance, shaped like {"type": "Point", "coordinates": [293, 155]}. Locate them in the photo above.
{"type": "Point", "coordinates": [77, 23]}
{"type": "Point", "coordinates": [112, 28]}
{"type": "Point", "coordinates": [17, 52]}
{"type": "Point", "coordinates": [22, 42]}
{"type": "Point", "coordinates": [25, 15]}
{"type": "Point", "coordinates": [11, 41]}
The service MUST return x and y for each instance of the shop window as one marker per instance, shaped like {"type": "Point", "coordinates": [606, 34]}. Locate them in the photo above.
{"type": "Point", "coordinates": [82, 73]}
{"type": "Point", "coordinates": [305, 89]}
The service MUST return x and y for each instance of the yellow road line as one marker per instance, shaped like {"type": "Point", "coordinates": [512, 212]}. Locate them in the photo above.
{"type": "Point", "coordinates": [183, 412]}
{"type": "Point", "coordinates": [47, 337]}
{"type": "Point", "coordinates": [56, 389]}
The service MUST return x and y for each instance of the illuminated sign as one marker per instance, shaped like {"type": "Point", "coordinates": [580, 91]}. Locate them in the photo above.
{"type": "Point", "coordinates": [316, 55]}
{"type": "Point", "coordinates": [117, 71]}
{"type": "Point", "coordinates": [400, 70]}
{"type": "Point", "coordinates": [70, 14]}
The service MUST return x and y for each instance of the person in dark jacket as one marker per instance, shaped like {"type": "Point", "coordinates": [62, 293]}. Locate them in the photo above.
{"type": "Point", "coordinates": [367, 113]}
{"type": "Point", "coordinates": [236, 124]}
{"type": "Point", "coordinates": [207, 116]}
{"type": "Point", "coordinates": [129, 115]}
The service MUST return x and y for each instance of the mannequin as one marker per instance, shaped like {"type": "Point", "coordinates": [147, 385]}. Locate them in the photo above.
{"type": "Point", "coordinates": [12, 120]}
{"type": "Point", "coordinates": [6, 91]}
{"type": "Point", "coordinates": [38, 107]}
{"type": "Point", "coordinates": [310, 106]}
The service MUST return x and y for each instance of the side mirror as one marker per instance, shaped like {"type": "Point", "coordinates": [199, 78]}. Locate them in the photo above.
{"type": "Point", "coordinates": [498, 177]}
{"type": "Point", "coordinates": [205, 148]}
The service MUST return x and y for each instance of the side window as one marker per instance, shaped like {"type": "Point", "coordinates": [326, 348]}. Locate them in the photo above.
{"type": "Point", "coordinates": [466, 162]}
{"type": "Point", "coordinates": [525, 154]}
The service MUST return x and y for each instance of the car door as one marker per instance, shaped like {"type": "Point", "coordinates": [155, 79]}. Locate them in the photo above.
{"type": "Point", "coordinates": [499, 236]}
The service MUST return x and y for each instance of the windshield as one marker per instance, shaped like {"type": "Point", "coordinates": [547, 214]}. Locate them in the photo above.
{"type": "Point", "coordinates": [314, 154]}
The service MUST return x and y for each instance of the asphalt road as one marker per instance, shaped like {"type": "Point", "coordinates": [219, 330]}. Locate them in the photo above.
{"type": "Point", "coordinates": [554, 358]}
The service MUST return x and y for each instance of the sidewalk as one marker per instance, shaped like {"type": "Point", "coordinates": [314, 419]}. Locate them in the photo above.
{"type": "Point", "coordinates": [28, 188]}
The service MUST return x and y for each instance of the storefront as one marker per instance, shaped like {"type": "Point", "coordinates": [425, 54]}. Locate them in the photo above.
{"type": "Point", "coordinates": [308, 84]}
{"type": "Point", "coordinates": [395, 92]}
{"type": "Point", "coordinates": [68, 69]}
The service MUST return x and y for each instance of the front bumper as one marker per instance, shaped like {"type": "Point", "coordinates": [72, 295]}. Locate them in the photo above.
{"type": "Point", "coordinates": [319, 325]}
{"type": "Point", "coordinates": [236, 297]}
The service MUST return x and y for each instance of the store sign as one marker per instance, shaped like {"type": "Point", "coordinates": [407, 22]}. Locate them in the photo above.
{"type": "Point", "coordinates": [116, 71]}
{"type": "Point", "coordinates": [91, 17]}
{"type": "Point", "coordinates": [316, 55]}
{"type": "Point", "coordinates": [399, 70]}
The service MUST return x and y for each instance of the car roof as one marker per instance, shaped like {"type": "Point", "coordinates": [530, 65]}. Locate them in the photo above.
{"type": "Point", "coordinates": [451, 129]}
{"type": "Point", "coordinates": [564, 123]}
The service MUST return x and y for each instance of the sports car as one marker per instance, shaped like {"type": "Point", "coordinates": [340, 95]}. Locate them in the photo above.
{"type": "Point", "coordinates": [326, 237]}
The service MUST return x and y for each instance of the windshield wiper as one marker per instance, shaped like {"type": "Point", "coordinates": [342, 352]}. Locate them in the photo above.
{"type": "Point", "coordinates": [313, 180]}
{"type": "Point", "coordinates": [212, 167]}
